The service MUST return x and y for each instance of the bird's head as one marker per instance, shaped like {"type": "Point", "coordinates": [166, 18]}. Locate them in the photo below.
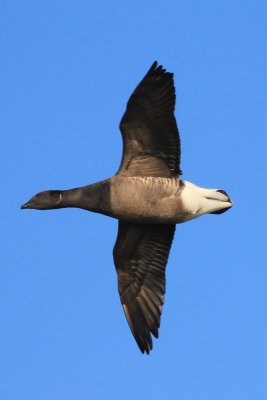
{"type": "Point", "coordinates": [47, 200]}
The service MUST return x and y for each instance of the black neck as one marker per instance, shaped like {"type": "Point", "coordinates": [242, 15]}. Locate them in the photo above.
{"type": "Point", "coordinates": [95, 197]}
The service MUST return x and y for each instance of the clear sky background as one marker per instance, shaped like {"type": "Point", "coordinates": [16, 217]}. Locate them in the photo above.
{"type": "Point", "coordinates": [67, 70]}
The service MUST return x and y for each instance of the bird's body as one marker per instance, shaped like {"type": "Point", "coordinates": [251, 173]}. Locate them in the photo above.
{"type": "Point", "coordinates": [162, 200]}
{"type": "Point", "coordinates": [148, 199]}
{"type": "Point", "coordinates": [151, 200]}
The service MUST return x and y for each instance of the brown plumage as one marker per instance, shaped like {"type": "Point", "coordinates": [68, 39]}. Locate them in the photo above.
{"type": "Point", "coordinates": [151, 143]}
{"type": "Point", "coordinates": [140, 255]}
{"type": "Point", "coordinates": [148, 199]}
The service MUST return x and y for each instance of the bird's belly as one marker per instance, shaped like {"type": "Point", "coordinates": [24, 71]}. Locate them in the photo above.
{"type": "Point", "coordinates": [160, 212]}
{"type": "Point", "coordinates": [146, 203]}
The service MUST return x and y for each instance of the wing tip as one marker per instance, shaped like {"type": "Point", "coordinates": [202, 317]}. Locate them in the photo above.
{"type": "Point", "coordinates": [141, 333]}
{"type": "Point", "coordinates": [145, 348]}
{"type": "Point", "coordinates": [158, 70]}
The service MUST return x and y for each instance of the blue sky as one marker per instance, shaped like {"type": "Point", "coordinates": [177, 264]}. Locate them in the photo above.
{"type": "Point", "coordinates": [67, 70]}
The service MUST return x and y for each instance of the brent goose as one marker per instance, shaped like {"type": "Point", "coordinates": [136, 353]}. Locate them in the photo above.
{"type": "Point", "coordinates": [148, 199]}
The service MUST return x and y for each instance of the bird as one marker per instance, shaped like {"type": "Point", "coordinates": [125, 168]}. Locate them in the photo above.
{"type": "Point", "coordinates": [148, 198]}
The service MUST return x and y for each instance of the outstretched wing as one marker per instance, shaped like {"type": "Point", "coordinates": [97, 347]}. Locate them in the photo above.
{"type": "Point", "coordinates": [151, 143]}
{"type": "Point", "coordinates": [140, 255]}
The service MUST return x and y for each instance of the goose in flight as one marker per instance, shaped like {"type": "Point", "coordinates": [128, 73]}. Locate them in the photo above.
{"type": "Point", "coordinates": [148, 199]}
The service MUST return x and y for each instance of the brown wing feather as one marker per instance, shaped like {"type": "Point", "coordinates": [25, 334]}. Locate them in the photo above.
{"type": "Point", "coordinates": [151, 143]}
{"type": "Point", "coordinates": [140, 255]}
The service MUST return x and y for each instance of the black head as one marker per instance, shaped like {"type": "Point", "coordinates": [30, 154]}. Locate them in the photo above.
{"type": "Point", "coordinates": [47, 200]}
